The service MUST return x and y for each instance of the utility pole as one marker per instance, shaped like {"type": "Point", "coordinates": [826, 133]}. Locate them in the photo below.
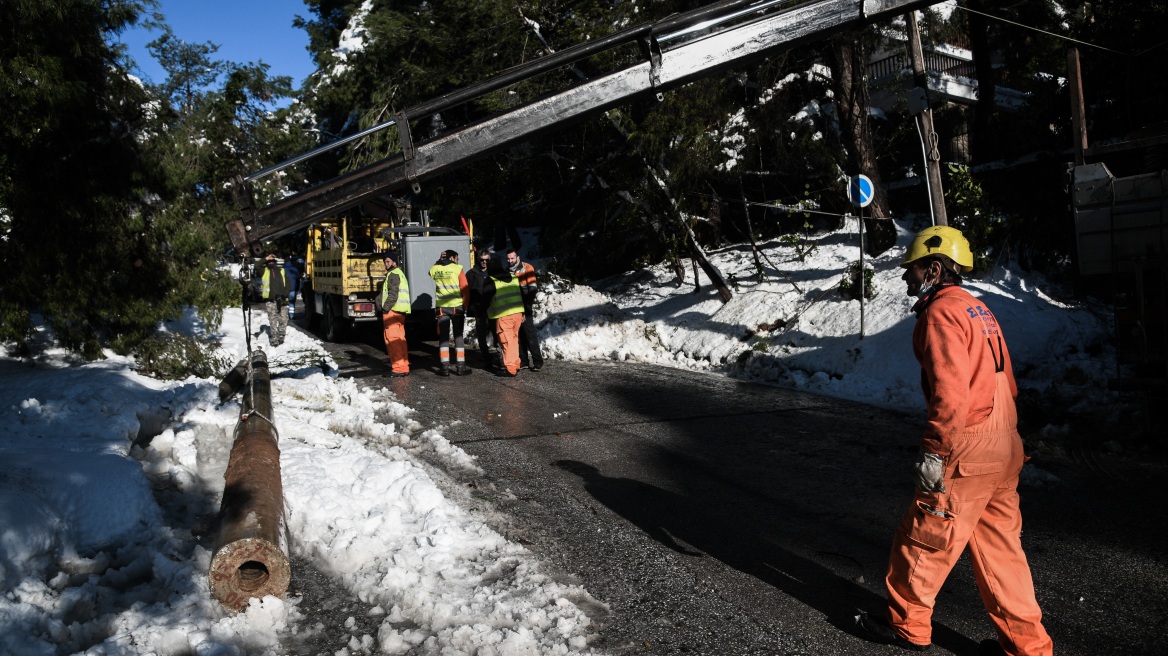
{"type": "Point", "coordinates": [925, 124]}
{"type": "Point", "coordinates": [1078, 123]}
{"type": "Point", "coordinates": [250, 558]}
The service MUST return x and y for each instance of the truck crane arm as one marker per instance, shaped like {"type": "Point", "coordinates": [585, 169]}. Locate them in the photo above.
{"type": "Point", "coordinates": [703, 46]}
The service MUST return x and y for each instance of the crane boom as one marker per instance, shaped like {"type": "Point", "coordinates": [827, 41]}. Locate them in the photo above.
{"type": "Point", "coordinates": [665, 68]}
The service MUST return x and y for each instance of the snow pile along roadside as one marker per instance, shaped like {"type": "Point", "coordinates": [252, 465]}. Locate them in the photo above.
{"type": "Point", "coordinates": [792, 327]}
{"type": "Point", "coordinates": [112, 481]}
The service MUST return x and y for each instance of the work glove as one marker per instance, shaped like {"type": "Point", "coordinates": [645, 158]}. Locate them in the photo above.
{"type": "Point", "coordinates": [929, 470]}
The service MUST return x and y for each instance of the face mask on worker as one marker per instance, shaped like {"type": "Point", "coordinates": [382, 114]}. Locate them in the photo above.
{"type": "Point", "coordinates": [928, 286]}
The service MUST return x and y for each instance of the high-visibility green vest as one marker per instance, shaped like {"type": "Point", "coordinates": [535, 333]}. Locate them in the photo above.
{"type": "Point", "coordinates": [447, 292]}
{"type": "Point", "coordinates": [266, 282]}
{"type": "Point", "coordinates": [507, 299]}
{"type": "Point", "coordinates": [403, 291]}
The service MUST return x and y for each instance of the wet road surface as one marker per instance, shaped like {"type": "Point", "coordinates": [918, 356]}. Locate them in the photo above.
{"type": "Point", "coordinates": [712, 516]}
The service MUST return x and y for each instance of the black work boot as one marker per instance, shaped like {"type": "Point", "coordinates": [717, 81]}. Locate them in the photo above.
{"type": "Point", "coordinates": [461, 369]}
{"type": "Point", "coordinates": [876, 629]}
{"type": "Point", "coordinates": [445, 370]}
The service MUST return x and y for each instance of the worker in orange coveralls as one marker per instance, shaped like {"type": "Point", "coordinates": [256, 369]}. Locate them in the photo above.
{"type": "Point", "coordinates": [506, 310]}
{"type": "Point", "coordinates": [394, 303]}
{"type": "Point", "coordinates": [967, 470]}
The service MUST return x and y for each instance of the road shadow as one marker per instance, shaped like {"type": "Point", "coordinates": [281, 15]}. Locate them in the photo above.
{"type": "Point", "coordinates": [731, 535]}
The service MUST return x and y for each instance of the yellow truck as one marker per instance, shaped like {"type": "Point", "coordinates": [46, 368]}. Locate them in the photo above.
{"type": "Point", "coordinates": [344, 269]}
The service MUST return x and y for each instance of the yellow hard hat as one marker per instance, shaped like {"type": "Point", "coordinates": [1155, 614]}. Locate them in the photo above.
{"type": "Point", "coordinates": [940, 240]}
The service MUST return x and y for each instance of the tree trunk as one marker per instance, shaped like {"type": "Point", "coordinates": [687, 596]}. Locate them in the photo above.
{"type": "Point", "coordinates": [678, 269]}
{"type": "Point", "coordinates": [699, 256]}
{"type": "Point", "coordinates": [848, 65]}
{"type": "Point", "coordinates": [750, 229]}
{"type": "Point", "coordinates": [695, 249]}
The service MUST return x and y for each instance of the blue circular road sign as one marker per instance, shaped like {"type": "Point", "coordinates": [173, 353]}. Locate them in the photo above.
{"type": "Point", "coordinates": [860, 191]}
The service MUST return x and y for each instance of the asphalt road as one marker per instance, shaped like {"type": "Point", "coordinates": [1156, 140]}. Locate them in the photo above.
{"type": "Point", "coordinates": [712, 516]}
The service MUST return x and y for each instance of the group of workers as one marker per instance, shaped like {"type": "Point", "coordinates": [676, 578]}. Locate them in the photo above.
{"type": "Point", "coordinates": [499, 294]}
{"type": "Point", "coordinates": [965, 475]}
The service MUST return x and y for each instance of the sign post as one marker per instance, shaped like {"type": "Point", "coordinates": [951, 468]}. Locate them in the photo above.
{"type": "Point", "coordinates": [861, 192]}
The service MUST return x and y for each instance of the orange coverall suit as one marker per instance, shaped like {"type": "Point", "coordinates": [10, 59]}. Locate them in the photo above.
{"type": "Point", "coordinates": [395, 300]}
{"type": "Point", "coordinates": [507, 310]}
{"type": "Point", "coordinates": [969, 387]}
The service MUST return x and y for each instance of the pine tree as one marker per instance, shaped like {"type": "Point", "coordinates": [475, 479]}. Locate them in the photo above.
{"type": "Point", "coordinates": [189, 67]}
{"type": "Point", "coordinates": [113, 199]}
{"type": "Point", "coordinates": [217, 121]}
{"type": "Point", "coordinates": [79, 245]}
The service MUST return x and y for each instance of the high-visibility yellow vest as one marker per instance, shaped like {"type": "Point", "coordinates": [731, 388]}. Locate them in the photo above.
{"type": "Point", "coordinates": [447, 292]}
{"type": "Point", "coordinates": [266, 282]}
{"type": "Point", "coordinates": [403, 291]}
{"type": "Point", "coordinates": [507, 299]}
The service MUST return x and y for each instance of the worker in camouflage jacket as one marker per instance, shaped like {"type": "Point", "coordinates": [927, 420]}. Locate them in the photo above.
{"type": "Point", "coordinates": [272, 288]}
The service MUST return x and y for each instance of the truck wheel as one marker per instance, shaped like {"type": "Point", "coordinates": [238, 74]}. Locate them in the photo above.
{"type": "Point", "coordinates": [329, 324]}
{"type": "Point", "coordinates": [334, 326]}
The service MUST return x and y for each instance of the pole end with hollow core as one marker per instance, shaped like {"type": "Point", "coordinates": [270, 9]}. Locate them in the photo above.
{"type": "Point", "coordinates": [248, 568]}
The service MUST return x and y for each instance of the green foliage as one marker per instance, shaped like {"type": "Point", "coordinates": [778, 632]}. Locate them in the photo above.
{"type": "Point", "coordinates": [112, 194]}
{"type": "Point", "coordinates": [801, 242]}
{"type": "Point", "coordinates": [189, 66]}
{"type": "Point", "coordinates": [593, 185]}
{"type": "Point", "coordinates": [80, 246]}
{"type": "Point", "coordinates": [971, 213]}
{"type": "Point", "coordinates": [414, 51]}
{"type": "Point", "coordinates": [15, 321]}
{"type": "Point", "coordinates": [218, 121]}
{"type": "Point", "coordinates": [175, 356]}
{"type": "Point", "coordinates": [849, 286]}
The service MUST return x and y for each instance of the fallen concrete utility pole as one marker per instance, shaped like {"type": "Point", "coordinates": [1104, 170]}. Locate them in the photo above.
{"type": "Point", "coordinates": [250, 554]}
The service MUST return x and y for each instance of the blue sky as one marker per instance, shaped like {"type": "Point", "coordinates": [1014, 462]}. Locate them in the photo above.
{"type": "Point", "coordinates": [245, 31]}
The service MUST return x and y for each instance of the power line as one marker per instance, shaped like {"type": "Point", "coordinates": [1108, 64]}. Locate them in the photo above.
{"type": "Point", "coordinates": [1060, 36]}
{"type": "Point", "coordinates": [774, 205]}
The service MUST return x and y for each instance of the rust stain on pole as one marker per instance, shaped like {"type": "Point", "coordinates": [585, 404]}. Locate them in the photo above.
{"type": "Point", "coordinates": [250, 558]}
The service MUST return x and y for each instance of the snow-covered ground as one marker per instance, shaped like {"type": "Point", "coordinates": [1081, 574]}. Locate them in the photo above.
{"type": "Point", "coordinates": [795, 329]}
{"type": "Point", "coordinates": [108, 476]}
